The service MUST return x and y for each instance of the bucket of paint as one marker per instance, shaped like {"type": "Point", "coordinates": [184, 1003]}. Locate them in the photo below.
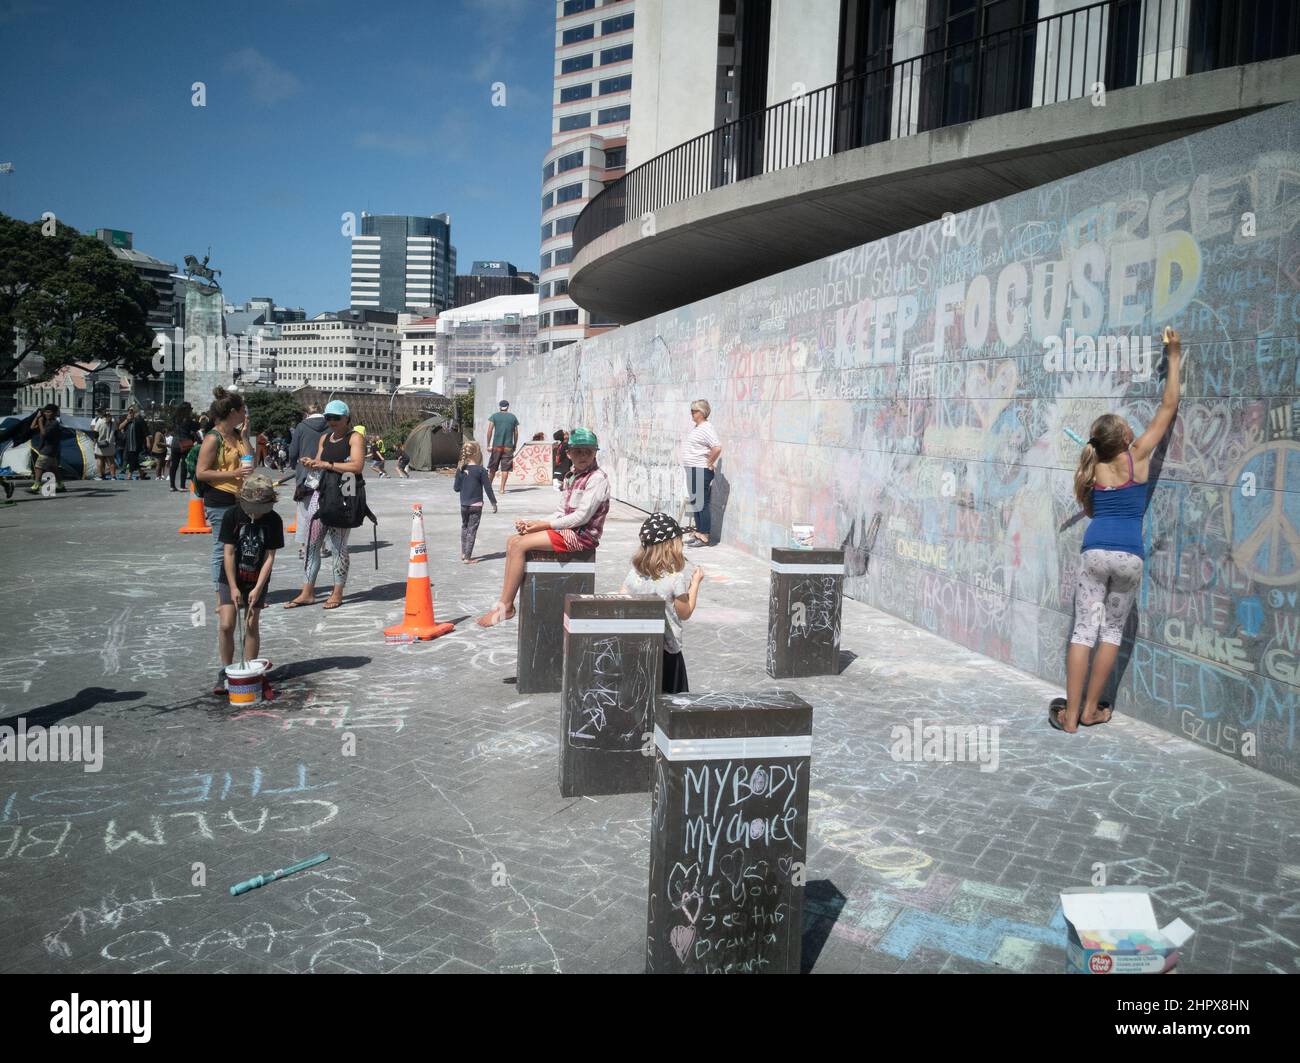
{"type": "Point", "coordinates": [244, 682]}
{"type": "Point", "coordinates": [801, 536]}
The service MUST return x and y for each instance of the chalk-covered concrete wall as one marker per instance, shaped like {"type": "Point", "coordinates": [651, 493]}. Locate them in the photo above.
{"type": "Point", "coordinates": [909, 398]}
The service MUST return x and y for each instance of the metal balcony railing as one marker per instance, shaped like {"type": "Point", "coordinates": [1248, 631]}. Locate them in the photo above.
{"type": "Point", "coordinates": [1108, 45]}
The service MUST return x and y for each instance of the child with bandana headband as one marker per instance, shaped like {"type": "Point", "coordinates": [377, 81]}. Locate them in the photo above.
{"type": "Point", "coordinates": [659, 570]}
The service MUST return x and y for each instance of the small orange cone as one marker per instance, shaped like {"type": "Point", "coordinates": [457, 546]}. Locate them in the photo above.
{"type": "Point", "coordinates": [292, 527]}
{"type": "Point", "coordinates": [196, 523]}
{"type": "Point", "coordinates": [418, 622]}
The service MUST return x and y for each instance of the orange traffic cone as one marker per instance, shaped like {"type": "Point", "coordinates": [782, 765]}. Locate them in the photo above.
{"type": "Point", "coordinates": [418, 622]}
{"type": "Point", "coordinates": [196, 523]}
{"type": "Point", "coordinates": [292, 527]}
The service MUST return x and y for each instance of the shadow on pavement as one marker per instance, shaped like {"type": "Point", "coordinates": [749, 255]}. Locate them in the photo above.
{"type": "Point", "coordinates": [300, 669]}
{"type": "Point", "coordinates": [822, 903]}
{"type": "Point", "coordinates": [384, 592]}
{"type": "Point", "coordinates": [85, 699]}
{"type": "Point", "coordinates": [847, 657]}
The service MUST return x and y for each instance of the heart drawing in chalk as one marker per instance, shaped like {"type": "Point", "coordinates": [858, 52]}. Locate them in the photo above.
{"type": "Point", "coordinates": [687, 898]}
{"type": "Point", "coordinates": [783, 865]}
{"type": "Point", "coordinates": [681, 939]}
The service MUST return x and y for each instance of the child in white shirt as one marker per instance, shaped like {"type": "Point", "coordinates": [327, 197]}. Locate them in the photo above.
{"type": "Point", "coordinates": [659, 569]}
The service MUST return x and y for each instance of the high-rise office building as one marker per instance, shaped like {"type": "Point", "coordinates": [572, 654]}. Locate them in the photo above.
{"type": "Point", "coordinates": [487, 280]}
{"type": "Point", "coordinates": [353, 348]}
{"type": "Point", "coordinates": [154, 271]}
{"type": "Point", "coordinates": [591, 108]}
{"type": "Point", "coordinates": [402, 263]}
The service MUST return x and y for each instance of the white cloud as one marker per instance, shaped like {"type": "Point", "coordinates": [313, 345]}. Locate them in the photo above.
{"type": "Point", "coordinates": [266, 82]}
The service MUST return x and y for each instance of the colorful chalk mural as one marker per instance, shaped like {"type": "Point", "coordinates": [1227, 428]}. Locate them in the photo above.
{"type": "Point", "coordinates": [910, 398]}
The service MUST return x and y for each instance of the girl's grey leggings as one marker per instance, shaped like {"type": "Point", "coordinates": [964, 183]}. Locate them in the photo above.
{"type": "Point", "coordinates": [1108, 585]}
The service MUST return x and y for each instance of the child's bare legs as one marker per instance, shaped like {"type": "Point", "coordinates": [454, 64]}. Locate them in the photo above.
{"type": "Point", "coordinates": [1076, 671]}
{"type": "Point", "coordinates": [517, 547]}
{"type": "Point", "coordinates": [1103, 663]}
{"type": "Point", "coordinates": [226, 633]}
{"type": "Point", "coordinates": [252, 634]}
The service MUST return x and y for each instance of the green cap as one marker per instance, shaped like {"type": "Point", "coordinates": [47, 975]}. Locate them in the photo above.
{"type": "Point", "coordinates": [583, 437]}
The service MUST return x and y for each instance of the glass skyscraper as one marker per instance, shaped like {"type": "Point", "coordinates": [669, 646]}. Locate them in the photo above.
{"type": "Point", "coordinates": [403, 263]}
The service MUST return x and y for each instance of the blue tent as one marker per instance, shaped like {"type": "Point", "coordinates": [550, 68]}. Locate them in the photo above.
{"type": "Point", "coordinates": [76, 453]}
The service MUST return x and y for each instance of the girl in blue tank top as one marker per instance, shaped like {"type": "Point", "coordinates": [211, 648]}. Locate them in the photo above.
{"type": "Point", "coordinates": [1111, 486]}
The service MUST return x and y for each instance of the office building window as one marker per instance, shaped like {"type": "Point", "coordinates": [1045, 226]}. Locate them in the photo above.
{"type": "Point", "coordinates": [614, 114]}
{"type": "Point", "coordinates": [563, 343]}
{"type": "Point", "coordinates": [615, 55]}
{"type": "Point", "coordinates": [548, 171]}
{"type": "Point", "coordinates": [575, 92]}
{"type": "Point", "coordinates": [568, 193]}
{"type": "Point", "coordinates": [616, 25]}
{"type": "Point", "coordinates": [575, 63]}
{"type": "Point", "coordinates": [561, 256]}
{"type": "Point", "coordinates": [575, 121]}
{"type": "Point", "coordinates": [579, 33]}
{"type": "Point", "coordinates": [622, 83]}
{"type": "Point", "coordinates": [548, 230]}
{"type": "Point", "coordinates": [565, 317]}
{"type": "Point", "coordinates": [615, 158]}
{"type": "Point", "coordinates": [568, 162]}
{"type": "Point", "coordinates": [575, 7]}
{"type": "Point", "coordinates": [548, 201]}
{"type": "Point", "coordinates": [565, 225]}
{"type": "Point", "coordinates": [559, 287]}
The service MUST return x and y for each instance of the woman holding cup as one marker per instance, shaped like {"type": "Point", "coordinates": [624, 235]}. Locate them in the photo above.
{"type": "Point", "coordinates": [225, 459]}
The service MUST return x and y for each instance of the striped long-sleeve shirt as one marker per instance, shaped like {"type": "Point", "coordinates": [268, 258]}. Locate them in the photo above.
{"type": "Point", "coordinates": [586, 504]}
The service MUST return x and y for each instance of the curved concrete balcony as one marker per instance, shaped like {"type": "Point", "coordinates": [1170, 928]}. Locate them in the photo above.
{"type": "Point", "coordinates": [692, 222]}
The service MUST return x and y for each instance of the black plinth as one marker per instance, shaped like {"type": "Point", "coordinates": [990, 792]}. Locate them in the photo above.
{"type": "Point", "coordinates": [613, 660]}
{"type": "Point", "coordinates": [803, 614]}
{"type": "Point", "coordinates": [548, 578]}
{"type": "Point", "coordinates": [728, 833]}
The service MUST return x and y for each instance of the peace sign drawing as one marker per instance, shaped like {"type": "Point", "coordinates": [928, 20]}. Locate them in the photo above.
{"type": "Point", "coordinates": [1264, 525]}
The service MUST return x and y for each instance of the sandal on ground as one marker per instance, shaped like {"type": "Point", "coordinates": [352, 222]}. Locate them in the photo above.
{"type": "Point", "coordinates": [1054, 711]}
{"type": "Point", "coordinates": [294, 603]}
{"type": "Point", "coordinates": [332, 603]}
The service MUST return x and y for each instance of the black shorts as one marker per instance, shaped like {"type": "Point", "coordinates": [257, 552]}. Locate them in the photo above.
{"type": "Point", "coordinates": [133, 460]}
{"type": "Point", "coordinates": [674, 681]}
{"type": "Point", "coordinates": [224, 597]}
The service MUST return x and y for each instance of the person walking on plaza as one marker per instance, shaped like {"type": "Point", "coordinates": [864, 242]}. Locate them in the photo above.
{"type": "Point", "coordinates": [158, 450]}
{"type": "Point", "coordinates": [47, 437]}
{"type": "Point", "coordinates": [1111, 486]}
{"type": "Point", "coordinates": [560, 462]}
{"type": "Point", "coordinates": [470, 483]}
{"type": "Point", "coordinates": [502, 437]}
{"type": "Point", "coordinates": [250, 534]}
{"type": "Point", "coordinates": [403, 463]}
{"type": "Point", "coordinates": [341, 450]}
{"type": "Point", "coordinates": [225, 460]}
{"type": "Point", "coordinates": [105, 430]}
{"type": "Point", "coordinates": [577, 525]}
{"type": "Point", "coordinates": [659, 570]}
{"type": "Point", "coordinates": [700, 450]}
{"type": "Point", "coordinates": [304, 442]}
{"type": "Point", "coordinates": [134, 438]}
{"type": "Point", "coordinates": [377, 457]}
{"type": "Point", "coordinates": [262, 449]}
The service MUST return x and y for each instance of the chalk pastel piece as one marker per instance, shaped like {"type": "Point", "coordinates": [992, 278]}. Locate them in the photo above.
{"type": "Point", "coordinates": [1076, 437]}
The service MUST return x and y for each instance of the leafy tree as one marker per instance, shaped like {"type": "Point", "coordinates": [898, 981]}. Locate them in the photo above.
{"type": "Point", "coordinates": [68, 300]}
{"type": "Point", "coordinates": [400, 432]}
{"type": "Point", "coordinates": [272, 412]}
{"type": "Point", "coordinates": [465, 413]}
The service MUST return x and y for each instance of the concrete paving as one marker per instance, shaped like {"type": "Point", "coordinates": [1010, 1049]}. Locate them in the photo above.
{"type": "Point", "coordinates": [450, 847]}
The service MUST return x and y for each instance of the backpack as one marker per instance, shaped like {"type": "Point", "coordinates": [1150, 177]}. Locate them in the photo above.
{"type": "Point", "coordinates": [340, 507]}
{"type": "Point", "coordinates": [250, 553]}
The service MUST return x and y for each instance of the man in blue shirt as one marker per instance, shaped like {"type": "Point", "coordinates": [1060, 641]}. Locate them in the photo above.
{"type": "Point", "coordinates": [503, 434]}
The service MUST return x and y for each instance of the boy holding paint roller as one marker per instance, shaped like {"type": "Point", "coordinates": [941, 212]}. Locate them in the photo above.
{"type": "Point", "coordinates": [251, 533]}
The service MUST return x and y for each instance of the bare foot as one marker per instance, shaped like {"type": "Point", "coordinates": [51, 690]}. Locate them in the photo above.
{"type": "Point", "coordinates": [1101, 714]}
{"type": "Point", "coordinates": [471, 560]}
{"type": "Point", "coordinates": [496, 615]}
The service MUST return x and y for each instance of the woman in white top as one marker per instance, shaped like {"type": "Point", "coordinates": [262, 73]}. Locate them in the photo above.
{"type": "Point", "coordinates": [700, 450]}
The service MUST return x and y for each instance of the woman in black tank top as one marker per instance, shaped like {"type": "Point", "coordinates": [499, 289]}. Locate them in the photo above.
{"type": "Point", "coordinates": [341, 450]}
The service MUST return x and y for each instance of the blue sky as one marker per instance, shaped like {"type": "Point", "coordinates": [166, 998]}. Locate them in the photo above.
{"type": "Point", "coordinates": [314, 108]}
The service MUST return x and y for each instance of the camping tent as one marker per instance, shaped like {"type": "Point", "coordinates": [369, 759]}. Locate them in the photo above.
{"type": "Point", "coordinates": [433, 442]}
{"type": "Point", "coordinates": [76, 455]}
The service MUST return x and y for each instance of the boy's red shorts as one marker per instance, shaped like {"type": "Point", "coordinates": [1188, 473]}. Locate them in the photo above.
{"type": "Point", "coordinates": [565, 541]}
